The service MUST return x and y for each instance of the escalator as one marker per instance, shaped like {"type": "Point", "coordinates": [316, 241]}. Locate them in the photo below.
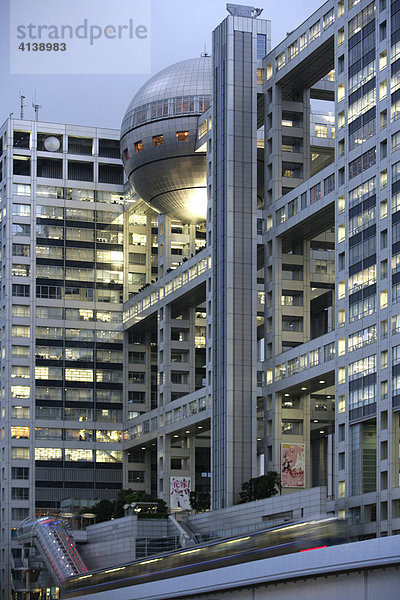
{"type": "Point", "coordinates": [55, 545]}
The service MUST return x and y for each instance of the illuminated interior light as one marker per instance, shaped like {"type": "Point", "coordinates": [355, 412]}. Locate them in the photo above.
{"type": "Point", "coordinates": [113, 570]}
{"type": "Point", "coordinates": [146, 562]}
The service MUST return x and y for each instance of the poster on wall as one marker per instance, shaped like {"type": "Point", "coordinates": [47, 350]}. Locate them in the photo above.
{"type": "Point", "coordinates": [179, 493]}
{"type": "Point", "coordinates": [292, 465]}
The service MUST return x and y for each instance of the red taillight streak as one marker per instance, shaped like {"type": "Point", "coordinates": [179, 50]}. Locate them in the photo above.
{"type": "Point", "coordinates": [316, 548]}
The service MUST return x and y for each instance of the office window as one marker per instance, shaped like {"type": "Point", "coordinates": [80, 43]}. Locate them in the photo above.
{"type": "Point", "coordinates": [21, 229]}
{"type": "Point", "coordinates": [79, 374]}
{"type": "Point", "coordinates": [79, 435]}
{"type": "Point", "coordinates": [280, 61]}
{"type": "Point", "coordinates": [20, 432]}
{"type": "Point", "coordinates": [303, 41]}
{"type": "Point", "coordinates": [78, 455]}
{"type": "Point", "coordinates": [182, 136]}
{"type": "Point", "coordinates": [136, 476]}
{"type": "Point", "coordinates": [49, 352]}
{"type": "Point", "coordinates": [261, 45]}
{"type": "Point", "coordinates": [293, 50]}
{"type": "Point", "coordinates": [20, 473]}
{"type": "Point", "coordinates": [108, 436]}
{"type": "Point", "coordinates": [315, 193]}
{"type": "Point", "coordinates": [158, 140]}
{"type": "Point", "coordinates": [21, 210]}
{"type": "Point", "coordinates": [20, 351]}
{"type": "Point", "coordinates": [328, 19]}
{"type": "Point", "coordinates": [109, 148]}
{"type": "Point", "coordinates": [315, 31]}
{"type": "Point", "coordinates": [321, 131]}
{"type": "Point", "coordinates": [21, 189]}
{"type": "Point", "coordinates": [20, 290]}
{"type": "Point", "coordinates": [21, 310]}
{"type": "Point", "coordinates": [48, 454]}
{"type": "Point", "coordinates": [18, 493]}
{"type": "Point", "coordinates": [19, 453]}
{"type": "Point", "coordinates": [20, 271]}
{"type": "Point", "coordinates": [20, 391]}
{"type": "Point", "coordinates": [19, 514]}
{"type": "Point", "coordinates": [21, 331]}
{"type": "Point", "coordinates": [80, 145]}
{"type": "Point", "coordinates": [20, 371]}
{"type": "Point", "coordinates": [54, 373]}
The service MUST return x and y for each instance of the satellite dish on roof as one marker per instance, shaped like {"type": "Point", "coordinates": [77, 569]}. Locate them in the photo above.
{"type": "Point", "coordinates": [52, 144]}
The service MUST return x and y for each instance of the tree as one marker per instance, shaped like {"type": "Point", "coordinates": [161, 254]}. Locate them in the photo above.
{"type": "Point", "coordinates": [200, 501]}
{"type": "Point", "coordinates": [103, 510]}
{"type": "Point", "coordinates": [265, 486]}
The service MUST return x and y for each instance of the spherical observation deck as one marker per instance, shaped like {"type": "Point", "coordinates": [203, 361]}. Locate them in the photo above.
{"type": "Point", "coordinates": [158, 139]}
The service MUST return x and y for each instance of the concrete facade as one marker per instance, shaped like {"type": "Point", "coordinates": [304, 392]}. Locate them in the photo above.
{"type": "Point", "coordinates": [264, 338]}
{"type": "Point", "coordinates": [300, 312]}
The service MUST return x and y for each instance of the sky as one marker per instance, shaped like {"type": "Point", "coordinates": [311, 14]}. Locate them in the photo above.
{"type": "Point", "coordinates": [180, 29]}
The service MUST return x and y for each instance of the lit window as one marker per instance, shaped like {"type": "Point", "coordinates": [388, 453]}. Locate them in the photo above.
{"type": "Point", "coordinates": [20, 453]}
{"type": "Point", "coordinates": [341, 489]}
{"type": "Point", "coordinates": [79, 374]}
{"type": "Point", "coordinates": [158, 140]}
{"type": "Point", "coordinates": [21, 310]}
{"type": "Point", "coordinates": [203, 124]}
{"type": "Point", "coordinates": [293, 50]}
{"type": "Point", "coordinates": [280, 61]}
{"type": "Point", "coordinates": [48, 373]}
{"type": "Point", "coordinates": [136, 219]}
{"type": "Point", "coordinates": [315, 31]}
{"type": "Point", "coordinates": [321, 131]}
{"type": "Point", "coordinates": [20, 271]}
{"type": "Point", "coordinates": [182, 136]}
{"type": "Point", "coordinates": [20, 433]}
{"type": "Point", "coordinates": [20, 371]}
{"type": "Point", "coordinates": [48, 454]}
{"type": "Point", "coordinates": [20, 331]}
{"type": "Point", "coordinates": [110, 456]}
{"type": "Point", "coordinates": [79, 435]}
{"type": "Point", "coordinates": [139, 146]}
{"type": "Point", "coordinates": [108, 436]}
{"type": "Point", "coordinates": [20, 391]}
{"type": "Point", "coordinates": [137, 239]}
{"type": "Point", "coordinates": [303, 41]}
{"type": "Point", "coordinates": [78, 455]}
{"type": "Point", "coordinates": [328, 19]}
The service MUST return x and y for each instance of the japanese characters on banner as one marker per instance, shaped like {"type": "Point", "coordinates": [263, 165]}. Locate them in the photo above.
{"type": "Point", "coordinates": [179, 493]}
{"type": "Point", "coordinates": [292, 465]}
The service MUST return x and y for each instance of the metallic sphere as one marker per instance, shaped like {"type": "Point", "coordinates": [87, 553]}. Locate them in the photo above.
{"type": "Point", "coordinates": [158, 139]}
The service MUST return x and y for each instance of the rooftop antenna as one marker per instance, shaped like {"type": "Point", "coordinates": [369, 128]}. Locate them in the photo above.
{"type": "Point", "coordinates": [36, 108]}
{"type": "Point", "coordinates": [205, 53]}
{"type": "Point", "coordinates": [22, 98]}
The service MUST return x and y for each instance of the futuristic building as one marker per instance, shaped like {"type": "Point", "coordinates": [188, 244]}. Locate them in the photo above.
{"type": "Point", "coordinates": [255, 274]}
{"type": "Point", "coordinates": [158, 140]}
{"type": "Point", "coordinates": [293, 289]}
